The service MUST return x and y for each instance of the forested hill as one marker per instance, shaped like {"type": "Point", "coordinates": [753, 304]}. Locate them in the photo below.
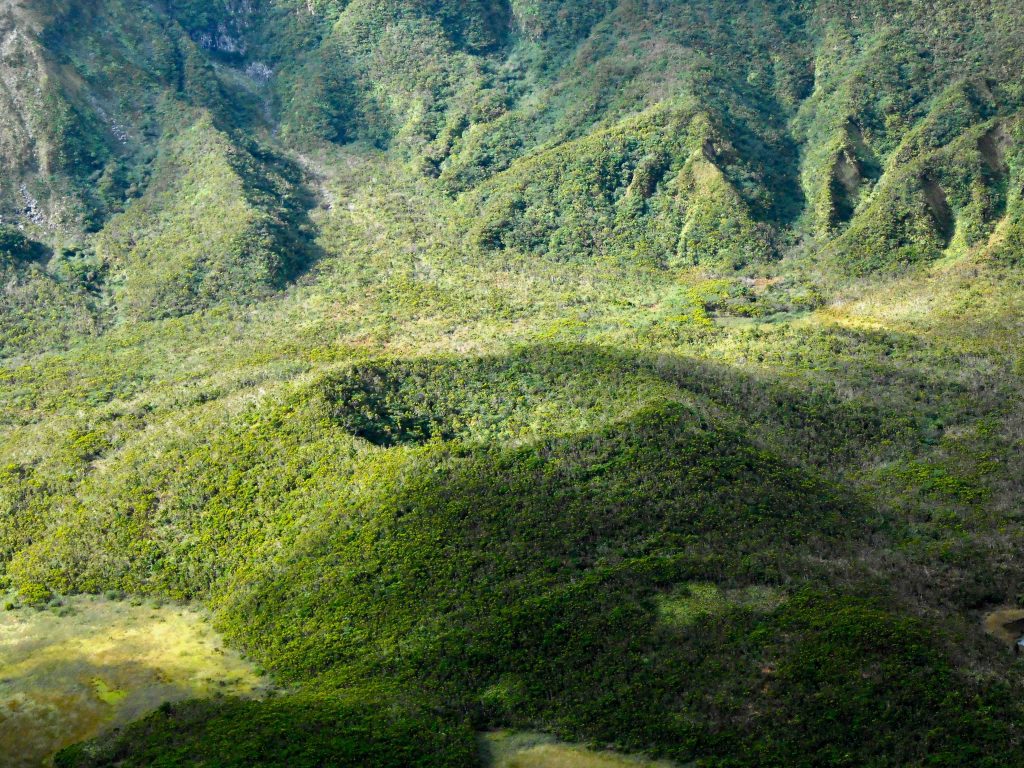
{"type": "Point", "coordinates": [708, 133]}
{"type": "Point", "coordinates": [650, 372]}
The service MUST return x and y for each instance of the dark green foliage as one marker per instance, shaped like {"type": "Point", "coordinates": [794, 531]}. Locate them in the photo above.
{"type": "Point", "coordinates": [46, 301]}
{"type": "Point", "coordinates": [515, 585]}
{"type": "Point", "coordinates": [225, 222]}
{"type": "Point", "coordinates": [837, 659]}
{"type": "Point", "coordinates": [295, 732]}
{"type": "Point", "coordinates": [559, 25]}
{"type": "Point", "coordinates": [451, 351]}
{"type": "Point", "coordinates": [321, 101]}
{"type": "Point", "coordinates": [386, 407]}
{"type": "Point", "coordinates": [14, 246]}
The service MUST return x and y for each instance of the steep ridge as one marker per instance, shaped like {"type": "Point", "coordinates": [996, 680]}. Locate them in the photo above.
{"type": "Point", "coordinates": [817, 120]}
{"type": "Point", "coordinates": [476, 362]}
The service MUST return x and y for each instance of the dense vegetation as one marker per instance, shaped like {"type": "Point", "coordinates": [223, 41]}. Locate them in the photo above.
{"type": "Point", "coordinates": [647, 372]}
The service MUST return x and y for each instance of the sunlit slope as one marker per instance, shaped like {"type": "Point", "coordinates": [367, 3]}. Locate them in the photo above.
{"type": "Point", "coordinates": [379, 518]}
{"type": "Point", "coordinates": [660, 133]}
{"type": "Point", "coordinates": [645, 373]}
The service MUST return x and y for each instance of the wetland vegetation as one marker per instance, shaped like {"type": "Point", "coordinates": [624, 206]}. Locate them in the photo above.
{"type": "Point", "coordinates": [86, 665]}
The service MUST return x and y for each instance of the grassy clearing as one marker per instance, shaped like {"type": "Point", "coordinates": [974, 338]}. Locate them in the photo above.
{"type": "Point", "coordinates": [1005, 625]}
{"type": "Point", "coordinates": [505, 749]}
{"type": "Point", "coordinates": [89, 665]}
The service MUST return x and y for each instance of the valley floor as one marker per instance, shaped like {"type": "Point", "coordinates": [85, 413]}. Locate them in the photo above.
{"type": "Point", "coordinates": [373, 477]}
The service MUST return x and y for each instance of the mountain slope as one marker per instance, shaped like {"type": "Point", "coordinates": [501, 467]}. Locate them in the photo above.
{"type": "Point", "coordinates": [647, 372]}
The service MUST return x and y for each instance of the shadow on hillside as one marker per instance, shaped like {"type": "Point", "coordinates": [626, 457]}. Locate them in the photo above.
{"type": "Point", "coordinates": [294, 233]}
{"type": "Point", "coordinates": [358, 727]}
{"type": "Point", "coordinates": [524, 582]}
{"type": "Point", "coordinates": [58, 701]}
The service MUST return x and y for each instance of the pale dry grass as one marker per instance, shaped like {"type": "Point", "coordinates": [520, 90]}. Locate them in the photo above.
{"type": "Point", "coordinates": [65, 677]}
{"type": "Point", "coordinates": [998, 624]}
{"type": "Point", "coordinates": [507, 749]}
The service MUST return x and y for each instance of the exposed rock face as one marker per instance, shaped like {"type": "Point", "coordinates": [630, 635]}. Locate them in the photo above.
{"type": "Point", "coordinates": [259, 71]}
{"type": "Point", "coordinates": [24, 77]}
{"type": "Point", "coordinates": [457, 88]}
{"type": "Point", "coordinates": [227, 35]}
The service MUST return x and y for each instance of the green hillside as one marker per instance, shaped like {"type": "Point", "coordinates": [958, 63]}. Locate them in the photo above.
{"type": "Point", "coordinates": [649, 373]}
